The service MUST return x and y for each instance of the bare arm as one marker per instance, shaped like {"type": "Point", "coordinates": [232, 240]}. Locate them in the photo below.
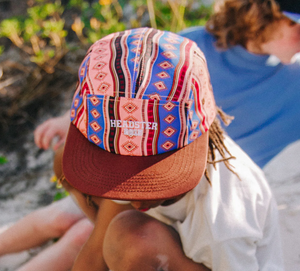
{"type": "Point", "coordinates": [91, 256]}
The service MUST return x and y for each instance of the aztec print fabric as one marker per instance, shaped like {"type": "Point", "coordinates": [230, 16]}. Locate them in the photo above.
{"type": "Point", "coordinates": [165, 77]}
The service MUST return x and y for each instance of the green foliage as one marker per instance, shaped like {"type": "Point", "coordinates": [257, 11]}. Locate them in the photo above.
{"type": "Point", "coordinates": [60, 195]}
{"type": "Point", "coordinates": [9, 26]}
{"type": "Point", "coordinates": [198, 16]}
{"type": "Point", "coordinates": [43, 10]}
{"type": "Point", "coordinates": [106, 16]}
{"type": "Point", "coordinates": [80, 4]}
{"type": "Point", "coordinates": [61, 192]}
{"type": "Point", "coordinates": [98, 20]}
{"type": "Point", "coordinates": [30, 29]}
{"type": "Point", "coordinates": [3, 160]}
{"type": "Point", "coordinates": [1, 50]}
{"type": "Point", "coordinates": [175, 15]}
{"type": "Point", "coordinates": [42, 32]}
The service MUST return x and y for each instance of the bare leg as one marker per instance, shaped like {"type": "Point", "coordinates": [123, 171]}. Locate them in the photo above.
{"type": "Point", "coordinates": [135, 241]}
{"type": "Point", "coordinates": [40, 226]}
{"type": "Point", "coordinates": [61, 255]}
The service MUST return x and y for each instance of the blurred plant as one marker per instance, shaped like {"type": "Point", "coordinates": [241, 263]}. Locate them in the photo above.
{"type": "Point", "coordinates": [11, 28]}
{"type": "Point", "coordinates": [77, 3]}
{"type": "Point", "coordinates": [61, 192]}
{"type": "Point", "coordinates": [106, 16]}
{"type": "Point", "coordinates": [175, 15]}
{"type": "Point", "coordinates": [3, 160]}
{"type": "Point", "coordinates": [197, 13]}
{"type": "Point", "coordinates": [97, 20]}
{"type": "Point", "coordinates": [41, 34]}
{"type": "Point", "coordinates": [151, 12]}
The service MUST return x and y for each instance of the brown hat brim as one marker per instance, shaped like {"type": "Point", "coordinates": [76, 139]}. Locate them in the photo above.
{"type": "Point", "coordinates": [97, 172]}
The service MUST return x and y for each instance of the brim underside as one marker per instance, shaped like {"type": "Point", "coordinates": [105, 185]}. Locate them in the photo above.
{"type": "Point", "coordinates": [97, 172]}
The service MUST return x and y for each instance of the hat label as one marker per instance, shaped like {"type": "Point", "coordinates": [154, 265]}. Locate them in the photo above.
{"type": "Point", "coordinates": [133, 132]}
{"type": "Point", "coordinates": [144, 125]}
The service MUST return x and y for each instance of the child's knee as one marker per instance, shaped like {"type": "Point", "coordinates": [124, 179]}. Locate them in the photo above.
{"type": "Point", "coordinates": [131, 240]}
{"type": "Point", "coordinates": [56, 221]}
{"type": "Point", "coordinates": [126, 225]}
{"type": "Point", "coordinates": [62, 222]}
{"type": "Point", "coordinates": [80, 232]}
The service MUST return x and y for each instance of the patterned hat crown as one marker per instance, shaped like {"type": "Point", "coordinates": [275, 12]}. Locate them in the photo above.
{"type": "Point", "coordinates": [139, 117]}
{"type": "Point", "coordinates": [143, 92]}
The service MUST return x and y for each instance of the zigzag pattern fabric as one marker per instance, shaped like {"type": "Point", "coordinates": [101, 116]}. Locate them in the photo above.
{"type": "Point", "coordinates": [165, 77]}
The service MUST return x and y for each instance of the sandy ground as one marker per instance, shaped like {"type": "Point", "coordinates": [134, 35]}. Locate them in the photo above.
{"type": "Point", "coordinates": [283, 174]}
{"type": "Point", "coordinates": [14, 209]}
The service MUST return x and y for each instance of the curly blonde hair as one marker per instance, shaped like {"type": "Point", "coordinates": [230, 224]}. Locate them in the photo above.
{"type": "Point", "coordinates": [238, 21]}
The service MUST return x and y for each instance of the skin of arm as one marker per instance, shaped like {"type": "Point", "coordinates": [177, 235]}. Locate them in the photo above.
{"type": "Point", "coordinates": [91, 255]}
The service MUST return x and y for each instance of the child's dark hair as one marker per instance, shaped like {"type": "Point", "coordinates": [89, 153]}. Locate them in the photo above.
{"type": "Point", "coordinates": [216, 142]}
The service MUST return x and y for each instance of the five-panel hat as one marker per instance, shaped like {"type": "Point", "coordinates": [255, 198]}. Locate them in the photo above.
{"type": "Point", "coordinates": [140, 116]}
{"type": "Point", "coordinates": [290, 8]}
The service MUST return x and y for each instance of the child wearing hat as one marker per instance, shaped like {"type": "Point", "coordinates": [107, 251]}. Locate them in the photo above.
{"type": "Point", "coordinates": [238, 69]}
{"type": "Point", "coordinates": [147, 161]}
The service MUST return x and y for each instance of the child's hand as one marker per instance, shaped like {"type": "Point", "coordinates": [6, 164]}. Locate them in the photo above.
{"type": "Point", "coordinates": [52, 132]}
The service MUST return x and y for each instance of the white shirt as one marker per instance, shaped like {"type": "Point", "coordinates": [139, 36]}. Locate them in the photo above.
{"type": "Point", "coordinates": [232, 224]}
